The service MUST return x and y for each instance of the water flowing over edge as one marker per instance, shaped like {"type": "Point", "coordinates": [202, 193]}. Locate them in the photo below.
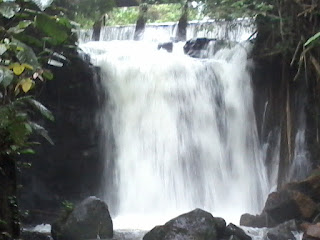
{"type": "Point", "coordinates": [114, 63]}
{"type": "Point", "coordinates": [236, 30]}
{"type": "Point", "coordinates": [176, 123]}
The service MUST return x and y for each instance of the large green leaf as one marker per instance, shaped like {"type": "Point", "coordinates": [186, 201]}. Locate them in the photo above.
{"type": "Point", "coordinates": [42, 109]}
{"type": "Point", "coordinates": [41, 131]}
{"type": "Point", "coordinates": [52, 28]}
{"type": "Point", "coordinates": [6, 76]}
{"type": "Point", "coordinates": [20, 27]}
{"type": "Point", "coordinates": [312, 39]}
{"type": "Point", "coordinates": [26, 54]}
{"type": "Point", "coordinates": [9, 9]}
{"type": "Point", "coordinates": [28, 39]}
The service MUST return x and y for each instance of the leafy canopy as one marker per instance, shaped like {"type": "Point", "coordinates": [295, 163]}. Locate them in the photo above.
{"type": "Point", "coordinates": [30, 38]}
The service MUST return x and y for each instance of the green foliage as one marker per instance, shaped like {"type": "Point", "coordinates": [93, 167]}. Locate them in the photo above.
{"type": "Point", "coordinates": [85, 10]}
{"type": "Point", "coordinates": [315, 39]}
{"type": "Point", "coordinates": [230, 9]}
{"type": "Point", "coordinates": [29, 38]}
{"type": "Point", "coordinates": [67, 208]}
{"type": "Point", "coordinates": [123, 16]}
{"type": "Point", "coordinates": [155, 14]}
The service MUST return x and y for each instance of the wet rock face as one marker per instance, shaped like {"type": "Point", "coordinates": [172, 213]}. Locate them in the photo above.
{"type": "Point", "coordinates": [196, 225]}
{"type": "Point", "coordinates": [196, 47]}
{"type": "Point", "coordinates": [75, 157]}
{"type": "Point", "coordinates": [205, 47]}
{"type": "Point", "coordinates": [168, 46]}
{"type": "Point", "coordinates": [88, 220]}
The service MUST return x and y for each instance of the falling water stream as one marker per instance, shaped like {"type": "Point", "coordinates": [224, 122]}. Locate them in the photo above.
{"type": "Point", "coordinates": [184, 131]}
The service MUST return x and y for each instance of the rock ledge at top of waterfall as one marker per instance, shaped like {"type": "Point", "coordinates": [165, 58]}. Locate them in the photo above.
{"type": "Point", "coordinates": [196, 225]}
{"type": "Point", "coordinates": [88, 220]}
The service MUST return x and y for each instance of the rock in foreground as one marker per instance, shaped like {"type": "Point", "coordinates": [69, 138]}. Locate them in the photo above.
{"type": "Point", "coordinates": [196, 225]}
{"type": "Point", "coordinates": [88, 220]}
{"type": "Point", "coordinates": [298, 200]}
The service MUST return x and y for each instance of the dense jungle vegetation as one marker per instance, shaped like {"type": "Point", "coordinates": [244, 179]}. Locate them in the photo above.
{"type": "Point", "coordinates": [34, 36]}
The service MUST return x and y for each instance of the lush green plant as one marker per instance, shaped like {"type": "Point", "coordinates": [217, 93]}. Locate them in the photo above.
{"type": "Point", "coordinates": [85, 12]}
{"type": "Point", "coordinates": [230, 9]}
{"type": "Point", "coordinates": [155, 14]}
{"type": "Point", "coordinates": [29, 39]}
{"type": "Point", "coordinates": [123, 16]}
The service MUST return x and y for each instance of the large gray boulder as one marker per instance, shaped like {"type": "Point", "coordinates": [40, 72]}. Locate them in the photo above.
{"type": "Point", "coordinates": [194, 225]}
{"type": "Point", "coordinates": [88, 220]}
{"type": "Point", "coordinates": [283, 231]}
{"type": "Point", "coordinates": [282, 206]}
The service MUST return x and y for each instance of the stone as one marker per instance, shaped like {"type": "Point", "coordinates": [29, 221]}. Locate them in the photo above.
{"type": "Point", "coordinates": [283, 231]}
{"type": "Point", "coordinates": [233, 230]}
{"type": "Point", "coordinates": [296, 200]}
{"type": "Point", "coordinates": [194, 225]}
{"type": "Point", "coordinates": [220, 224]}
{"type": "Point", "coordinates": [167, 46]}
{"type": "Point", "coordinates": [88, 220]}
{"type": "Point", "coordinates": [313, 231]}
{"type": "Point", "coordinates": [256, 221]}
{"type": "Point", "coordinates": [286, 204]}
{"type": "Point", "coordinates": [28, 235]}
{"type": "Point", "coordinates": [205, 47]}
{"type": "Point", "coordinates": [309, 187]}
{"type": "Point", "coordinates": [195, 47]}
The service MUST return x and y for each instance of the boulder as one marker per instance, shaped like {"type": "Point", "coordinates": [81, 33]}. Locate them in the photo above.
{"type": "Point", "coordinates": [309, 187]}
{"type": "Point", "coordinates": [286, 204]}
{"type": "Point", "coordinates": [312, 231]}
{"type": "Point", "coordinates": [194, 225]}
{"type": "Point", "coordinates": [28, 235]}
{"type": "Point", "coordinates": [280, 207]}
{"type": "Point", "coordinates": [220, 225]}
{"type": "Point", "coordinates": [88, 220]}
{"type": "Point", "coordinates": [256, 221]}
{"type": "Point", "coordinates": [205, 47]}
{"type": "Point", "coordinates": [196, 47]}
{"type": "Point", "coordinates": [283, 231]}
{"type": "Point", "coordinates": [167, 46]}
{"type": "Point", "coordinates": [234, 232]}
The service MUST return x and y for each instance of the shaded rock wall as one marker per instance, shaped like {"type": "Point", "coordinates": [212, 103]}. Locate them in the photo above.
{"type": "Point", "coordinates": [71, 169]}
{"type": "Point", "coordinates": [283, 105]}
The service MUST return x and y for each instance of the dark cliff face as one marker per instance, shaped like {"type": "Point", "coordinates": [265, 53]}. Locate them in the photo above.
{"type": "Point", "coordinates": [71, 168]}
{"type": "Point", "coordinates": [283, 104]}
{"type": "Point", "coordinates": [280, 106]}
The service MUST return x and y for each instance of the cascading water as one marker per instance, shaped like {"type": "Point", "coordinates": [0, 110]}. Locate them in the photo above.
{"type": "Point", "coordinates": [236, 30]}
{"type": "Point", "coordinates": [185, 132]}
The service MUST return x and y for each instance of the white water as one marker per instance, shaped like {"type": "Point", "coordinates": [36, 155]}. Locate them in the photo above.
{"type": "Point", "coordinates": [185, 133]}
{"type": "Point", "coordinates": [236, 30]}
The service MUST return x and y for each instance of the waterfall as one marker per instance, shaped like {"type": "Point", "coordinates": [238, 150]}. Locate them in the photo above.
{"type": "Point", "coordinates": [181, 132]}
{"type": "Point", "coordinates": [184, 131]}
{"type": "Point", "coordinates": [236, 30]}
